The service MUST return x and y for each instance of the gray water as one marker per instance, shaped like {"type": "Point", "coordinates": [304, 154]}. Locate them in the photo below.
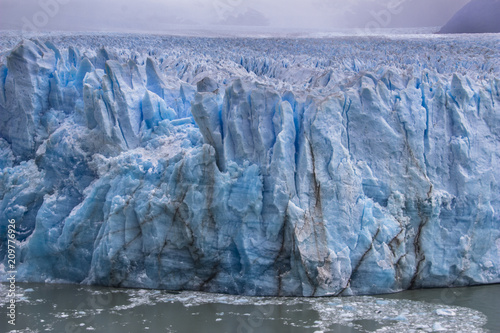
{"type": "Point", "coordinates": [70, 308]}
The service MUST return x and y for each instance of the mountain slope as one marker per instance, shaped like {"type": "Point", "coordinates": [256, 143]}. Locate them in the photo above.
{"type": "Point", "coordinates": [478, 16]}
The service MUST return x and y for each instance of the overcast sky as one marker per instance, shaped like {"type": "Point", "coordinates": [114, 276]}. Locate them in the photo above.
{"type": "Point", "coordinates": [155, 15]}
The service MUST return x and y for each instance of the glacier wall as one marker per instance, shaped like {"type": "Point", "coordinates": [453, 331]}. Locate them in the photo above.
{"type": "Point", "coordinates": [246, 166]}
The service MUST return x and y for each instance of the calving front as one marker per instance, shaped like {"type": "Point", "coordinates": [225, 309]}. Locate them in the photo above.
{"type": "Point", "coordinates": [181, 167]}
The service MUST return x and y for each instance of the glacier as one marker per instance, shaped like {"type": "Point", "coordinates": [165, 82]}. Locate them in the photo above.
{"type": "Point", "coordinates": [274, 166]}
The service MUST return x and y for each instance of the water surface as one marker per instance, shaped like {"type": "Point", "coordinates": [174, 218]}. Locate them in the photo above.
{"type": "Point", "coordinates": [73, 308]}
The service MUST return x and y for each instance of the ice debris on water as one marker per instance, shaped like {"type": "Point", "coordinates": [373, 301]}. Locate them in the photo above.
{"type": "Point", "coordinates": [391, 315]}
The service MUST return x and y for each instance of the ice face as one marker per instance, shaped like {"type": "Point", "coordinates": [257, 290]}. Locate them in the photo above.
{"type": "Point", "coordinates": [303, 167]}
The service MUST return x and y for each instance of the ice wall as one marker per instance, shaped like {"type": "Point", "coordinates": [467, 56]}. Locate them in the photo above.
{"type": "Point", "coordinates": [216, 169]}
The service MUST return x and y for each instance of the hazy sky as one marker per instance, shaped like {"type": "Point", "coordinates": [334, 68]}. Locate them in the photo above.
{"type": "Point", "coordinates": [155, 15]}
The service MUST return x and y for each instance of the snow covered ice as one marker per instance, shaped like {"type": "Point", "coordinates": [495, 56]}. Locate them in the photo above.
{"type": "Point", "coordinates": [291, 167]}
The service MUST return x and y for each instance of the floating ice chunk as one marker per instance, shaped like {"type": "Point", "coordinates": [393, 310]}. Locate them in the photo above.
{"type": "Point", "coordinates": [437, 327]}
{"type": "Point", "coordinates": [445, 312]}
{"type": "Point", "coordinates": [349, 308]}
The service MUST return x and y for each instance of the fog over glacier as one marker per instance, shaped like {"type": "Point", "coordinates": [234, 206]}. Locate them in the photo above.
{"type": "Point", "coordinates": [154, 15]}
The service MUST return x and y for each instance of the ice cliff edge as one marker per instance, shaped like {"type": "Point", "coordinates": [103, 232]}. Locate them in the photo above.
{"type": "Point", "coordinates": [257, 176]}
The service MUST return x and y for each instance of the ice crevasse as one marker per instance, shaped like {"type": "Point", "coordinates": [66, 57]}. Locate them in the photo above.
{"type": "Point", "coordinates": [252, 176]}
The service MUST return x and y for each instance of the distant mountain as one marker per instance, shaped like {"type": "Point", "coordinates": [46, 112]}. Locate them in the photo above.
{"type": "Point", "coordinates": [478, 16]}
{"type": "Point", "coordinates": [250, 17]}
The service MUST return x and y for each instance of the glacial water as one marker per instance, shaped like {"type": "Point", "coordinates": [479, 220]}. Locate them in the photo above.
{"type": "Point", "coordinates": [75, 308]}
